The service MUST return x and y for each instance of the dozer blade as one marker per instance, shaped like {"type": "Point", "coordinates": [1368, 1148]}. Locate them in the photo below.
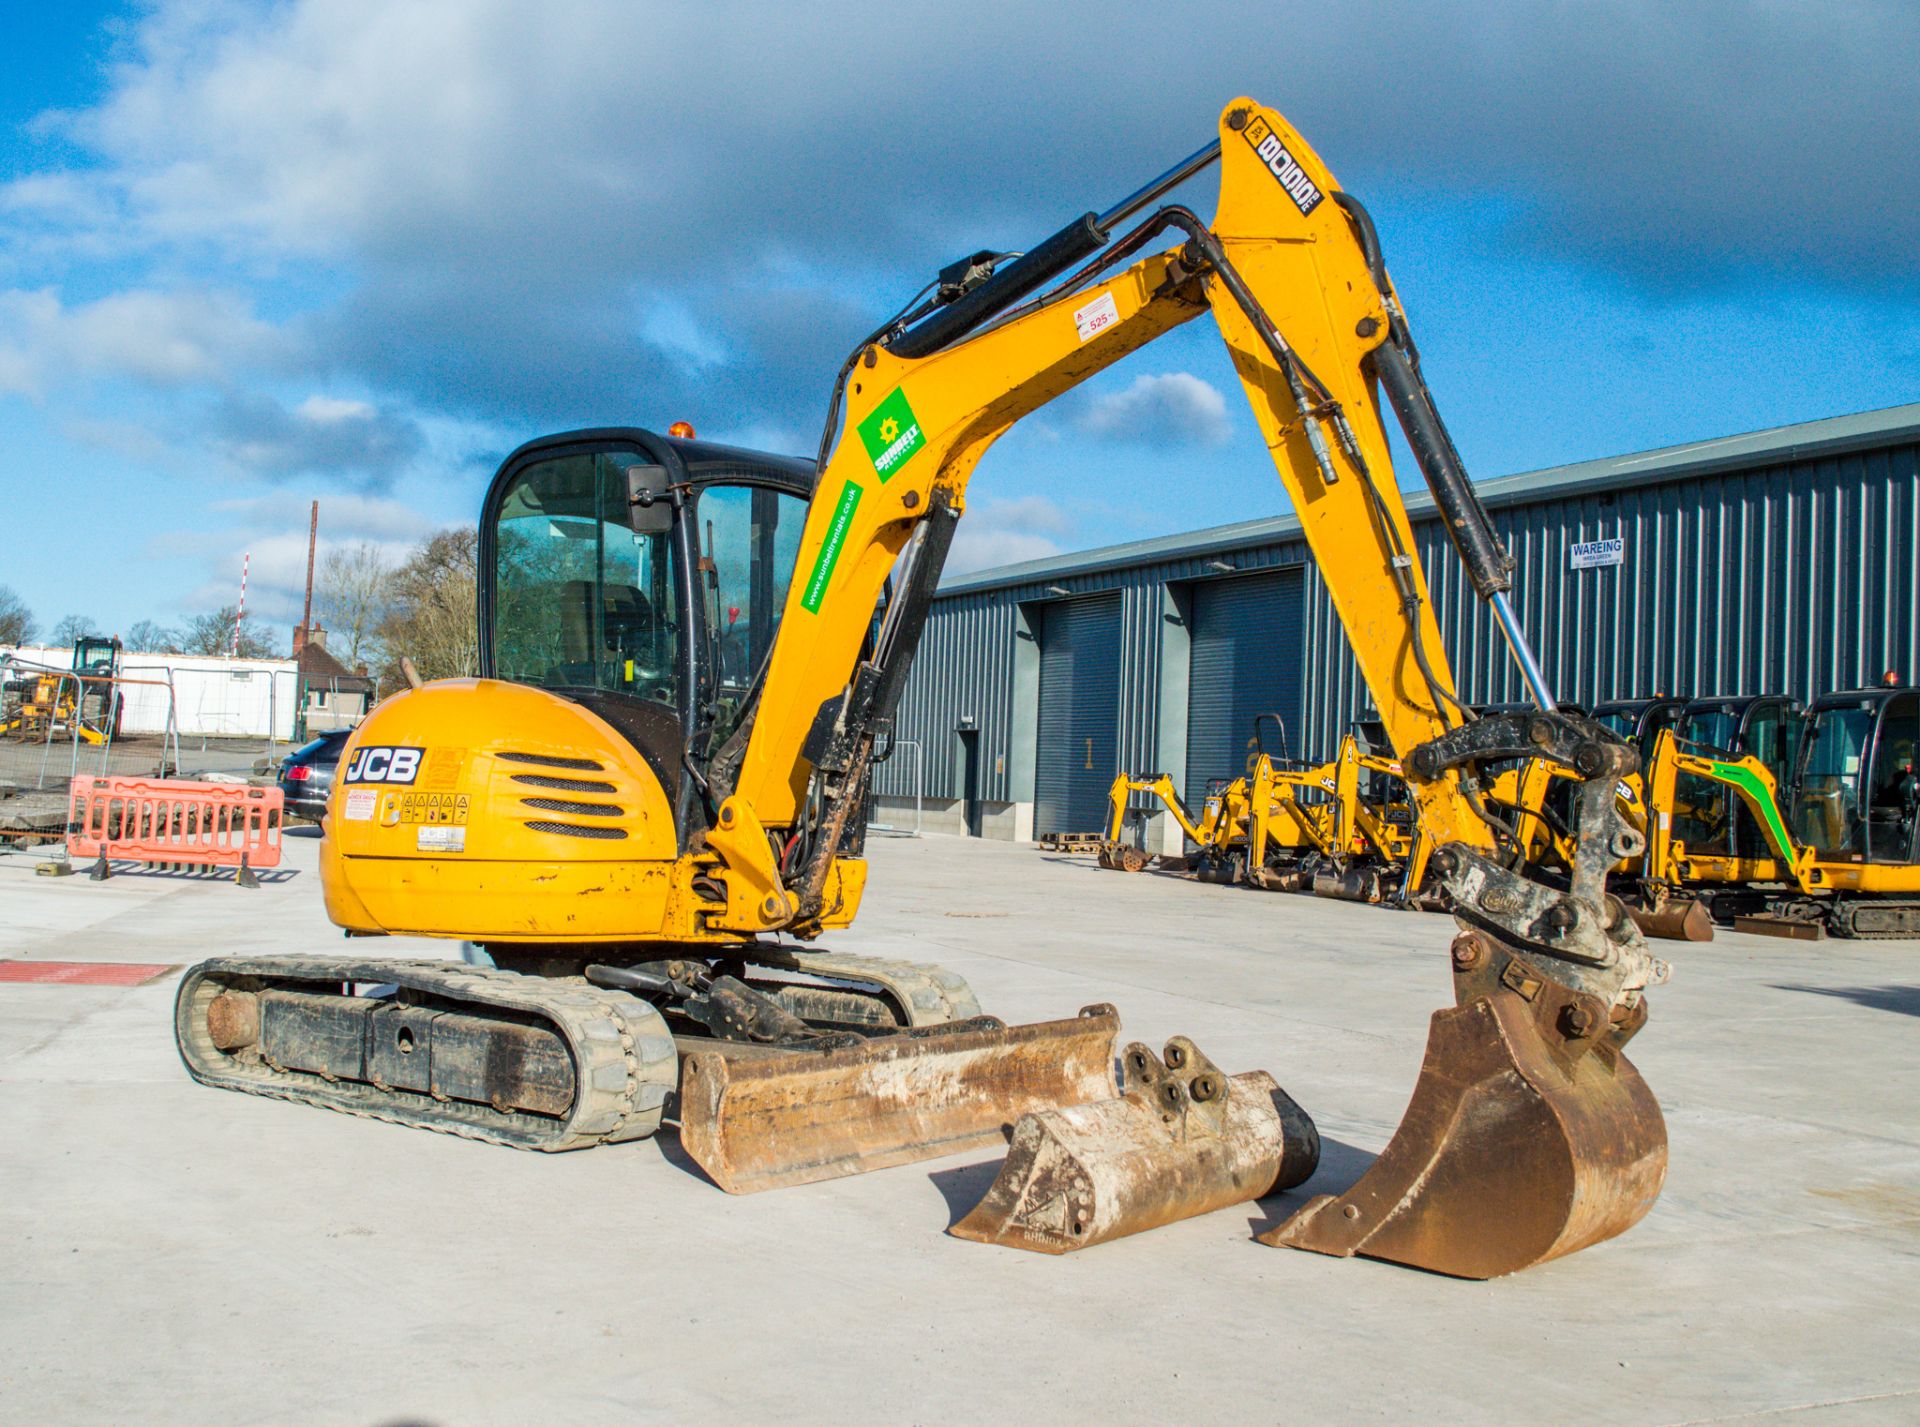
{"type": "Point", "coordinates": [1182, 1139]}
{"type": "Point", "coordinates": [796, 1117]}
{"type": "Point", "coordinates": [1529, 1136]}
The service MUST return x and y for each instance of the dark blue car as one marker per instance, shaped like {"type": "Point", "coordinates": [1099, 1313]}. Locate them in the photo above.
{"type": "Point", "coordinates": [306, 775]}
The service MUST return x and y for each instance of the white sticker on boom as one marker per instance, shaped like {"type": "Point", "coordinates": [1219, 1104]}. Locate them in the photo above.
{"type": "Point", "coordinates": [360, 804]}
{"type": "Point", "coordinates": [1096, 317]}
{"type": "Point", "coordinates": [442, 839]}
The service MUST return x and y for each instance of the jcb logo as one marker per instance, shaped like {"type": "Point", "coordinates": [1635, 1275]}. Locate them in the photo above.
{"type": "Point", "coordinates": [383, 765]}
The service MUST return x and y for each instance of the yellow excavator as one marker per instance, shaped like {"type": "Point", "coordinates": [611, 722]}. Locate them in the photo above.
{"type": "Point", "coordinates": [1245, 823]}
{"type": "Point", "coordinates": [85, 705]}
{"type": "Point", "coordinates": [1815, 829]}
{"type": "Point", "coordinates": [646, 809]}
{"type": "Point", "coordinates": [1344, 828]}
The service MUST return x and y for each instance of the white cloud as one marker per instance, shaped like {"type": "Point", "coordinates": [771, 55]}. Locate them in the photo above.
{"type": "Point", "coordinates": [1005, 532]}
{"type": "Point", "coordinates": [158, 339]}
{"type": "Point", "coordinates": [345, 440]}
{"type": "Point", "coordinates": [330, 410]}
{"type": "Point", "coordinates": [1165, 409]}
{"type": "Point", "coordinates": [345, 519]}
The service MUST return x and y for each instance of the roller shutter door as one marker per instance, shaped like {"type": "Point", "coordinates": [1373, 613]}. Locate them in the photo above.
{"type": "Point", "coordinates": [1246, 642]}
{"type": "Point", "coordinates": [1079, 714]}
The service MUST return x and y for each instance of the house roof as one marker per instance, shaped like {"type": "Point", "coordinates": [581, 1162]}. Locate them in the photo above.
{"type": "Point", "coordinates": [319, 666]}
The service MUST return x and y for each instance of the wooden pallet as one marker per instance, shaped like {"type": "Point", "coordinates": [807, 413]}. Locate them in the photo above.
{"type": "Point", "coordinates": [1071, 841]}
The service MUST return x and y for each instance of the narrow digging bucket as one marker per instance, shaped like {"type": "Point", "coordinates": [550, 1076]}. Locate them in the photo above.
{"type": "Point", "coordinates": [1680, 919]}
{"type": "Point", "coordinates": [1182, 1139]}
{"type": "Point", "coordinates": [1514, 1150]}
{"type": "Point", "coordinates": [797, 1117]}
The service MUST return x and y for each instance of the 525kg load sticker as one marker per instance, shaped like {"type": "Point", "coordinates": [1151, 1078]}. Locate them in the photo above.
{"type": "Point", "coordinates": [1304, 192]}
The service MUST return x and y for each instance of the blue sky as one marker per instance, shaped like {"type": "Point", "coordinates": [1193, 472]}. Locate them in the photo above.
{"type": "Point", "coordinates": [253, 255]}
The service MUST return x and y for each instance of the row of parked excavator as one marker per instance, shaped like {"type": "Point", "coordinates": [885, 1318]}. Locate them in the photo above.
{"type": "Point", "coordinates": [1755, 811]}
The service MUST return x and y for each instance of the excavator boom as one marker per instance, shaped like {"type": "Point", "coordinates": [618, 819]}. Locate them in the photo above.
{"type": "Point", "coordinates": [1292, 273]}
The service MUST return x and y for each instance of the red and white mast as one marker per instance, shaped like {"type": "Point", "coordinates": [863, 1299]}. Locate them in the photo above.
{"type": "Point", "coordinates": [240, 614]}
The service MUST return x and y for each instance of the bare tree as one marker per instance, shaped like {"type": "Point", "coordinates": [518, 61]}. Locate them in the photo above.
{"type": "Point", "coordinates": [213, 634]}
{"type": "Point", "coordinates": [73, 627]}
{"type": "Point", "coordinates": [431, 618]}
{"type": "Point", "coordinates": [355, 588]}
{"type": "Point", "coordinates": [17, 625]}
{"type": "Point", "coordinates": [148, 636]}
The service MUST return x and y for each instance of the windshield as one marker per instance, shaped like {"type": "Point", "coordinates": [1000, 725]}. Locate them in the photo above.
{"type": "Point", "coordinates": [1711, 728]}
{"type": "Point", "coordinates": [1826, 804]}
{"type": "Point", "coordinates": [1618, 722]}
{"type": "Point", "coordinates": [582, 600]}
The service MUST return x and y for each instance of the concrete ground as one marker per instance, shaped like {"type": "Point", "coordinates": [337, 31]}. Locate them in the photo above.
{"type": "Point", "coordinates": [175, 1254]}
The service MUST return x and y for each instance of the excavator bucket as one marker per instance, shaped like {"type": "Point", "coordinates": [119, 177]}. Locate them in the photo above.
{"type": "Point", "coordinates": [765, 1121]}
{"type": "Point", "coordinates": [1529, 1136]}
{"type": "Point", "coordinates": [1182, 1139]}
{"type": "Point", "coordinates": [1123, 857]}
{"type": "Point", "coordinates": [1677, 919]}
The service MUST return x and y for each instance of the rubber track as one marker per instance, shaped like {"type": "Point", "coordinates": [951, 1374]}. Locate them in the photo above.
{"type": "Point", "coordinates": [625, 1065]}
{"type": "Point", "coordinates": [1843, 920]}
{"type": "Point", "coordinates": [930, 995]}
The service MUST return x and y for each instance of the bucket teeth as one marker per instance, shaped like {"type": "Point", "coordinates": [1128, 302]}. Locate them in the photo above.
{"type": "Point", "coordinates": [1521, 1144]}
{"type": "Point", "coordinates": [763, 1121]}
{"type": "Point", "coordinates": [1182, 1138]}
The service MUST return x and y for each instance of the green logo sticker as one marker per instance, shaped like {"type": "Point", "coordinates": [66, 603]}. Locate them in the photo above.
{"type": "Point", "coordinates": [891, 435]}
{"type": "Point", "coordinates": [829, 555]}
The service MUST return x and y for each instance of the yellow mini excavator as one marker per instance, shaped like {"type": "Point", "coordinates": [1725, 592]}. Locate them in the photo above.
{"type": "Point", "coordinates": [1345, 828]}
{"type": "Point", "coordinates": [646, 807]}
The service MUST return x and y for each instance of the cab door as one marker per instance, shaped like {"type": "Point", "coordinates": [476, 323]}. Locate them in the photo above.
{"type": "Point", "coordinates": [1771, 734]}
{"type": "Point", "coordinates": [1891, 791]}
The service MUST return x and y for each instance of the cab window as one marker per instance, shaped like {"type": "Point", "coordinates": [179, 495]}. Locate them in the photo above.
{"type": "Point", "coordinates": [1893, 794]}
{"type": "Point", "coordinates": [749, 539]}
{"type": "Point", "coordinates": [1711, 728]}
{"type": "Point", "coordinates": [1826, 796]}
{"type": "Point", "coordinates": [582, 600]}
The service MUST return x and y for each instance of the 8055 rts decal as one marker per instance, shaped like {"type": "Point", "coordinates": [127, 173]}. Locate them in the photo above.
{"type": "Point", "coordinates": [1304, 192]}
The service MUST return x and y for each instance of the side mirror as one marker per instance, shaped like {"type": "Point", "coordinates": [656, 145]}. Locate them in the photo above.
{"type": "Point", "coordinates": [649, 507]}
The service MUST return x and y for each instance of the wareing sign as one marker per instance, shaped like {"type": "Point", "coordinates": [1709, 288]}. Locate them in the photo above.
{"type": "Point", "coordinates": [1597, 554]}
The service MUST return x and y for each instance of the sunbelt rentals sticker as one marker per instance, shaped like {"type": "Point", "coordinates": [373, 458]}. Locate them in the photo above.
{"type": "Point", "coordinates": [891, 435]}
{"type": "Point", "coordinates": [829, 555]}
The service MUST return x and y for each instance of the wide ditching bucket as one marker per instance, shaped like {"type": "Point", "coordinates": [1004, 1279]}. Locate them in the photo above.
{"type": "Point", "coordinates": [1529, 1135]}
{"type": "Point", "coordinates": [766, 1121]}
{"type": "Point", "coordinates": [1677, 919]}
{"type": "Point", "coordinates": [1181, 1139]}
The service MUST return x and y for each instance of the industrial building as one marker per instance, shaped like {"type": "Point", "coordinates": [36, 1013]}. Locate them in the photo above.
{"type": "Point", "coordinates": [1781, 560]}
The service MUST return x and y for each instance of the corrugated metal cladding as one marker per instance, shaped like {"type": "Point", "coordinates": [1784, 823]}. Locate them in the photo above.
{"type": "Point", "coordinates": [1244, 663]}
{"type": "Point", "coordinates": [1781, 561]}
{"type": "Point", "coordinates": [1074, 757]}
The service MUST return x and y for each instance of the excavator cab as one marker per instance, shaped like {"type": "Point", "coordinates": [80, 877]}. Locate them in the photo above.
{"type": "Point", "coordinates": [1638, 720]}
{"type": "Point", "coordinates": [96, 657]}
{"type": "Point", "coordinates": [1709, 817]}
{"type": "Point", "coordinates": [643, 578]}
{"type": "Point", "coordinates": [1854, 790]}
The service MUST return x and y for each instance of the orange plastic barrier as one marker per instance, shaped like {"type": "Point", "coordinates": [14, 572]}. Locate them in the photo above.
{"type": "Point", "coordinates": [174, 822]}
